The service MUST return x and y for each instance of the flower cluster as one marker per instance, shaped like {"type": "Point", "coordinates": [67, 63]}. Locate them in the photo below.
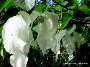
{"type": "Point", "coordinates": [17, 36]}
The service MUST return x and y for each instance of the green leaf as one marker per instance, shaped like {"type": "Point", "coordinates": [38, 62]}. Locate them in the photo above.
{"type": "Point", "coordinates": [58, 7]}
{"type": "Point", "coordinates": [36, 28]}
{"type": "Point", "coordinates": [72, 4]}
{"type": "Point", "coordinates": [62, 2]}
{"type": "Point", "coordinates": [1, 45]}
{"type": "Point", "coordinates": [11, 3]}
{"type": "Point", "coordinates": [2, 50]}
{"type": "Point", "coordinates": [87, 19]}
{"type": "Point", "coordinates": [84, 8]}
{"type": "Point", "coordinates": [4, 5]}
{"type": "Point", "coordinates": [65, 20]}
{"type": "Point", "coordinates": [1, 30]}
{"type": "Point", "coordinates": [71, 29]}
{"type": "Point", "coordinates": [71, 12]}
{"type": "Point", "coordinates": [7, 4]}
{"type": "Point", "coordinates": [52, 9]}
{"type": "Point", "coordinates": [41, 7]}
{"type": "Point", "coordinates": [2, 2]}
{"type": "Point", "coordinates": [25, 4]}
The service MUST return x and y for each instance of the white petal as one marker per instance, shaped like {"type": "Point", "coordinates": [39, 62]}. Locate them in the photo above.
{"type": "Point", "coordinates": [18, 60]}
{"type": "Point", "coordinates": [16, 35]}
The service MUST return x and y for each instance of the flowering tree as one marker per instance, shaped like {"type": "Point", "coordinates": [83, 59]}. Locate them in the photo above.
{"type": "Point", "coordinates": [50, 27]}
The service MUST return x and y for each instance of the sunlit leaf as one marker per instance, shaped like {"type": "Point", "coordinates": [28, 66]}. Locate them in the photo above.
{"type": "Point", "coordinates": [7, 4]}
{"type": "Point", "coordinates": [11, 3]}
{"type": "Point", "coordinates": [3, 53]}
{"type": "Point", "coordinates": [62, 2]}
{"type": "Point", "coordinates": [84, 8]}
{"type": "Point", "coordinates": [41, 7]}
{"type": "Point", "coordinates": [71, 12]}
{"type": "Point", "coordinates": [65, 20]}
{"type": "Point", "coordinates": [58, 7]}
{"type": "Point", "coordinates": [24, 4]}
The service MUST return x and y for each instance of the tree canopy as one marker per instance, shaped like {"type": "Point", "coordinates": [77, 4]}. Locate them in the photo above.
{"type": "Point", "coordinates": [59, 29]}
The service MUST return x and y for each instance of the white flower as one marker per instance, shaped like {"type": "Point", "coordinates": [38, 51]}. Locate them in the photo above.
{"type": "Point", "coordinates": [17, 36]}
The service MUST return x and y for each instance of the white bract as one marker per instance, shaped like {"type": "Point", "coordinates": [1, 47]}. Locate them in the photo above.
{"type": "Point", "coordinates": [59, 37]}
{"type": "Point", "coordinates": [69, 43]}
{"type": "Point", "coordinates": [17, 37]}
{"type": "Point", "coordinates": [78, 37]}
{"type": "Point", "coordinates": [47, 29]}
{"type": "Point", "coordinates": [18, 60]}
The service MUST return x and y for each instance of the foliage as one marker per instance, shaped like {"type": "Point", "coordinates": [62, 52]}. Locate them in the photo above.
{"type": "Point", "coordinates": [73, 21]}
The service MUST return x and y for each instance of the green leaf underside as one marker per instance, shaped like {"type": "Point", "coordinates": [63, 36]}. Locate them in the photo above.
{"type": "Point", "coordinates": [71, 29]}
{"type": "Point", "coordinates": [25, 4]}
{"type": "Point", "coordinates": [36, 28]}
